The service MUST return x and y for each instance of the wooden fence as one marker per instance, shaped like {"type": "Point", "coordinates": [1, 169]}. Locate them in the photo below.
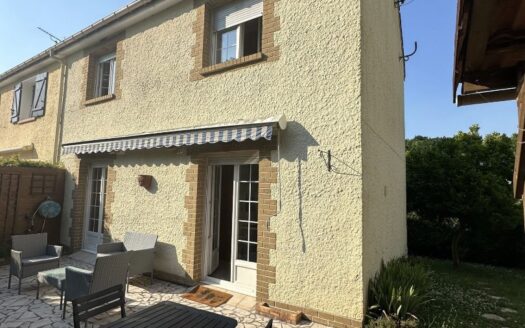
{"type": "Point", "coordinates": [22, 190]}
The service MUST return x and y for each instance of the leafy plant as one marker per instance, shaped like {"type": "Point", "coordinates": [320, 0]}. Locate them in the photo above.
{"type": "Point", "coordinates": [398, 290]}
{"type": "Point", "coordinates": [15, 161]}
{"type": "Point", "coordinates": [460, 190]}
{"type": "Point", "coordinates": [386, 322]}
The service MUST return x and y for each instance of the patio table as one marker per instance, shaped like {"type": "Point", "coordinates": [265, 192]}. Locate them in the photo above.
{"type": "Point", "coordinates": [169, 314]}
{"type": "Point", "coordinates": [54, 277]}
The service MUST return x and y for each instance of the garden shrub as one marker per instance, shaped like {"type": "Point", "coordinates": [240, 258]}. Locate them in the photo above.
{"type": "Point", "coordinates": [15, 161]}
{"type": "Point", "coordinates": [398, 290]}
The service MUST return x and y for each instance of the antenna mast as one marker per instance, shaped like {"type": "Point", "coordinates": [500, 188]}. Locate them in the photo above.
{"type": "Point", "coordinates": [51, 36]}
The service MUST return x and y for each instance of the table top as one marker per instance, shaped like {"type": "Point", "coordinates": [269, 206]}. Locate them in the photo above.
{"type": "Point", "coordinates": [169, 314]}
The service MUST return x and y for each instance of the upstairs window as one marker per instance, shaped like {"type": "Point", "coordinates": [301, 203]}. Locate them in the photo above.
{"type": "Point", "coordinates": [29, 98]}
{"type": "Point", "coordinates": [105, 80]}
{"type": "Point", "coordinates": [237, 30]}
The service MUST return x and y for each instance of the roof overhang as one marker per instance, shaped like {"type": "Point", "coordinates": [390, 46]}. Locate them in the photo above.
{"type": "Point", "coordinates": [111, 25]}
{"type": "Point", "coordinates": [198, 135]}
{"type": "Point", "coordinates": [490, 50]}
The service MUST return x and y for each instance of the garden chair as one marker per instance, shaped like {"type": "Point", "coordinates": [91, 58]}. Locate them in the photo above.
{"type": "Point", "coordinates": [109, 271]}
{"type": "Point", "coordinates": [31, 254]}
{"type": "Point", "coordinates": [86, 307]}
{"type": "Point", "coordinates": [142, 248]}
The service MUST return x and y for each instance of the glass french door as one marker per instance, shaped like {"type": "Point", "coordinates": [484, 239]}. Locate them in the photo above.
{"type": "Point", "coordinates": [244, 218]}
{"type": "Point", "coordinates": [94, 211]}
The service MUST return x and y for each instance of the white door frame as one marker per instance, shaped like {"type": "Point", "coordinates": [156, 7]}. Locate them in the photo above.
{"type": "Point", "coordinates": [251, 158]}
{"type": "Point", "coordinates": [88, 202]}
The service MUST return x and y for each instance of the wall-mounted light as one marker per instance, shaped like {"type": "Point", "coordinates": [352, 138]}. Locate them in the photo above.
{"type": "Point", "coordinates": [145, 181]}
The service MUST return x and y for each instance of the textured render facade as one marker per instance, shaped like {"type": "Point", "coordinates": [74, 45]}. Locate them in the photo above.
{"type": "Point", "coordinates": [333, 68]}
{"type": "Point", "coordinates": [33, 139]}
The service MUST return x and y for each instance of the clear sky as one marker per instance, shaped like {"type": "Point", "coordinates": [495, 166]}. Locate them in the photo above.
{"type": "Point", "coordinates": [428, 87]}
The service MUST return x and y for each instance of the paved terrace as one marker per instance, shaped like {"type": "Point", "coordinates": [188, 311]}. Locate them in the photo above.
{"type": "Point", "coordinates": [26, 311]}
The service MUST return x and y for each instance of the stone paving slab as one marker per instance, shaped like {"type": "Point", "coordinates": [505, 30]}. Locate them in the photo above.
{"type": "Point", "coordinates": [26, 311]}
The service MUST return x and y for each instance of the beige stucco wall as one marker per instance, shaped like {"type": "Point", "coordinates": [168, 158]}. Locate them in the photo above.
{"type": "Point", "coordinates": [316, 83]}
{"type": "Point", "coordinates": [384, 193]}
{"type": "Point", "coordinates": [42, 132]}
{"type": "Point", "coordinates": [159, 210]}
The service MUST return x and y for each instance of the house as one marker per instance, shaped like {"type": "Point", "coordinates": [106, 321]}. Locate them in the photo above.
{"type": "Point", "coordinates": [30, 105]}
{"type": "Point", "coordinates": [489, 63]}
{"type": "Point", "coordinates": [262, 140]}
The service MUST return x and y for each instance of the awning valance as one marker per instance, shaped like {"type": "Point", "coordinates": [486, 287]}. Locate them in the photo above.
{"type": "Point", "coordinates": [240, 131]}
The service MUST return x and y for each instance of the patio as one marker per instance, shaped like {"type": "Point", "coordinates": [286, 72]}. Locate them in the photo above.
{"type": "Point", "coordinates": [26, 311]}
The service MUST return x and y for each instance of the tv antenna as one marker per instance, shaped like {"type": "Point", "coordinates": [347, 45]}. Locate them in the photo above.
{"type": "Point", "coordinates": [51, 36]}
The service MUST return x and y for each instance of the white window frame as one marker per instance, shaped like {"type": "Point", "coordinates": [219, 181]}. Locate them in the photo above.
{"type": "Point", "coordinates": [240, 40]}
{"type": "Point", "coordinates": [112, 58]}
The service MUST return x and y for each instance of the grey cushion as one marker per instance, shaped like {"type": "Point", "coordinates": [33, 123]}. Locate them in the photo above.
{"type": "Point", "coordinates": [39, 259]}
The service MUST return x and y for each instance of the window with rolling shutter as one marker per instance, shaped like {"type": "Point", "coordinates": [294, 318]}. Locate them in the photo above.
{"type": "Point", "coordinates": [39, 96]}
{"type": "Point", "coordinates": [237, 30]}
{"type": "Point", "coordinates": [15, 108]}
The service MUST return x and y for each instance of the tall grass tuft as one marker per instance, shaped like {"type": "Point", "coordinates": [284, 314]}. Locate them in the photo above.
{"type": "Point", "coordinates": [398, 290]}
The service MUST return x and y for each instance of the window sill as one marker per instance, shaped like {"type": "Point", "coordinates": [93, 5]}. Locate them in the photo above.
{"type": "Point", "coordinates": [26, 120]}
{"type": "Point", "coordinates": [232, 64]}
{"type": "Point", "coordinates": [99, 100]}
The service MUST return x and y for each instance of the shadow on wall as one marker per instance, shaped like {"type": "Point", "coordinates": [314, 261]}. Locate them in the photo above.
{"type": "Point", "coordinates": [152, 158]}
{"type": "Point", "coordinates": [295, 141]}
{"type": "Point", "coordinates": [167, 261]}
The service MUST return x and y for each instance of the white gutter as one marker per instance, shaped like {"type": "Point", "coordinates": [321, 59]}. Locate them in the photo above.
{"type": "Point", "coordinates": [109, 26]}
{"type": "Point", "coordinates": [17, 150]}
{"type": "Point", "coordinates": [61, 107]}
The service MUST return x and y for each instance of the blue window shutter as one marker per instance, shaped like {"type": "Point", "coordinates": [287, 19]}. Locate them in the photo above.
{"type": "Point", "coordinates": [15, 108]}
{"type": "Point", "coordinates": [39, 98]}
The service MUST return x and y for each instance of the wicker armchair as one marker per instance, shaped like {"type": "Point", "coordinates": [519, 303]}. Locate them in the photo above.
{"type": "Point", "coordinates": [142, 248]}
{"type": "Point", "coordinates": [109, 271]}
{"type": "Point", "coordinates": [31, 254]}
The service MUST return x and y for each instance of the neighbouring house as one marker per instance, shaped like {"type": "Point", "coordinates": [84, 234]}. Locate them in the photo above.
{"type": "Point", "coordinates": [489, 63]}
{"type": "Point", "coordinates": [262, 140]}
{"type": "Point", "coordinates": [30, 111]}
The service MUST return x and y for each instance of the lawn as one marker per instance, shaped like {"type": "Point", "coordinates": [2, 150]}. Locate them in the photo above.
{"type": "Point", "coordinates": [463, 296]}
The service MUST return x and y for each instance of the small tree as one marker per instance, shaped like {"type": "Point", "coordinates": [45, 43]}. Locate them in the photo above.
{"type": "Point", "coordinates": [463, 182]}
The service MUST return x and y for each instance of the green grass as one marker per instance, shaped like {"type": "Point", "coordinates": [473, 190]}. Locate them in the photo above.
{"type": "Point", "coordinates": [462, 296]}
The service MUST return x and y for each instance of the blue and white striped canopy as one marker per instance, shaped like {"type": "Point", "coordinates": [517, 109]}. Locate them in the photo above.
{"type": "Point", "coordinates": [196, 136]}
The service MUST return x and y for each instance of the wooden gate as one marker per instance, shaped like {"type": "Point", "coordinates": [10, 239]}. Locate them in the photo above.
{"type": "Point", "coordinates": [22, 190]}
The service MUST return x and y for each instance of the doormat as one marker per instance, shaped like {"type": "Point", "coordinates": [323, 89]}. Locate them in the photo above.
{"type": "Point", "coordinates": [207, 296]}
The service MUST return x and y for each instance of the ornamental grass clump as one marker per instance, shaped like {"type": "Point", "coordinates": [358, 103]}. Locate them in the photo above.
{"type": "Point", "coordinates": [398, 290]}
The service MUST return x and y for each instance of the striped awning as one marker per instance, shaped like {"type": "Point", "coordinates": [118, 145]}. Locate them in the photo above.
{"type": "Point", "coordinates": [261, 129]}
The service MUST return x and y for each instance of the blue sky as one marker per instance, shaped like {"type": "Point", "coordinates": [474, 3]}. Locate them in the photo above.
{"type": "Point", "coordinates": [428, 87]}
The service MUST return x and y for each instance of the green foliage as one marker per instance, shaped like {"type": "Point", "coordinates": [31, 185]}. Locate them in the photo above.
{"type": "Point", "coordinates": [17, 162]}
{"type": "Point", "coordinates": [465, 180]}
{"type": "Point", "coordinates": [398, 290]}
{"type": "Point", "coordinates": [385, 322]}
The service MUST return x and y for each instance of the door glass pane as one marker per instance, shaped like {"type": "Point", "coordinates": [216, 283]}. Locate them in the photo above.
{"type": "Point", "coordinates": [254, 191]}
{"type": "Point", "coordinates": [243, 211]}
{"type": "Point", "coordinates": [242, 251]}
{"type": "Point", "coordinates": [254, 172]}
{"type": "Point", "coordinates": [253, 253]}
{"type": "Point", "coordinates": [244, 173]}
{"type": "Point", "coordinates": [244, 191]}
{"type": "Point", "coordinates": [254, 208]}
{"type": "Point", "coordinates": [243, 231]}
{"type": "Point", "coordinates": [253, 232]}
